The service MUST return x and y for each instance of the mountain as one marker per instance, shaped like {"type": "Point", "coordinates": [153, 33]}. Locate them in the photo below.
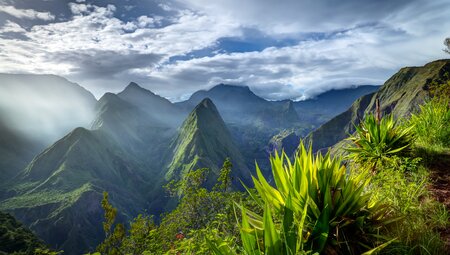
{"type": "Point", "coordinates": [286, 141]}
{"type": "Point", "coordinates": [35, 111]}
{"type": "Point", "coordinates": [400, 95]}
{"type": "Point", "coordinates": [239, 105]}
{"type": "Point", "coordinates": [58, 195]}
{"type": "Point", "coordinates": [155, 106]}
{"type": "Point", "coordinates": [16, 238]}
{"type": "Point", "coordinates": [204, 141]}
{"type": "Point", "coordinates": [331, 103]}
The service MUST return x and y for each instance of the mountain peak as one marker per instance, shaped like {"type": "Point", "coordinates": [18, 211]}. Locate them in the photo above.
{"type": "Point", "coordinates": [206, 103]}
{"type": "Point", "coordinates": [223, 86]}
{"type": "Point", "coordinates": [134, 87]}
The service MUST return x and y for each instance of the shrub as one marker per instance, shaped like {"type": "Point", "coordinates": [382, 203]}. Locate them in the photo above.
{"type": "Point", "coordinates": [431, 125]}
{"type": "Point", "coordinates": [376, 141]}
{"type": "Point", "coordinates": [314, 206]}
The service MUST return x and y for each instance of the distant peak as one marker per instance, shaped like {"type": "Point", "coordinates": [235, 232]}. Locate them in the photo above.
{"type": "Point", "coordinates": [133, 85]}
{"type": "Point", "coordinates": [108, 96]}
{"type": "Point", "coordinates": [207, 102]}
{"type": "Point", "coordinates": [206, 105]}
{"type": "Point", "coordinates": [229, 86]}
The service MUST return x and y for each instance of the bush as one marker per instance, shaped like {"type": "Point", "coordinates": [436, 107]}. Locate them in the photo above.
{"type": "Point", "coordinates": [314, 206]}
{"type": "Point", "coordinates": [431, 125]}
{"type": "Point", "coordinates": [377, 141]}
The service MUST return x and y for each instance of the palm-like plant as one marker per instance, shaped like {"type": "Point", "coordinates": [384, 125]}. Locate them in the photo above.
{"type": "Point", "coordinates": [314, 206]}
{"type": "Point", "coordinates": [378, 140]}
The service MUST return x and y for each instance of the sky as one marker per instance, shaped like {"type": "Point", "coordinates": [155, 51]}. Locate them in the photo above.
{"type": "Point", "coordinates": [281, 49]}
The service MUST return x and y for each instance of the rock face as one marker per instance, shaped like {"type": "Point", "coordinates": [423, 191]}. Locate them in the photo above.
{"type": "Point", "coordinates": [400, 95]}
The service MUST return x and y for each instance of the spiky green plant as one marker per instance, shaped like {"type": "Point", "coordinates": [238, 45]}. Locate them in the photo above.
{"type": "Point", "coordinates": [375, 141]}
{"type": "Point", "coordinates": [315, 206]}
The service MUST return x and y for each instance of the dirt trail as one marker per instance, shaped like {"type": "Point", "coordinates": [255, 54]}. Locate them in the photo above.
{"type": "Point", "coordinates": [440, 186]}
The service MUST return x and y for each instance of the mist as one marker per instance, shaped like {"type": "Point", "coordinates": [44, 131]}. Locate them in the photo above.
{"type": "Point", "coordinates": [44, 107]}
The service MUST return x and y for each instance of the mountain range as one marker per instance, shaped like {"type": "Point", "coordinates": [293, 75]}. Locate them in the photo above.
{"type": "Point", "coordinates": [400, 95]}
{"type": "Point", "coordinates": [134, 143]}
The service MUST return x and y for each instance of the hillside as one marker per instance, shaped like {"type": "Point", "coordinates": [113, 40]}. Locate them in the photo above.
{"type": "Point", "coordinates": [400, 95]}
{"type": "Point", "coordinates": [16, 238]}
{"type": "Point", "coordinates": [204, 141]}
{"type": "Point", "coordinates": [59, 192]}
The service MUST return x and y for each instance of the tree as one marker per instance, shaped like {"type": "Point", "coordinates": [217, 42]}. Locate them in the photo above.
{"type": "Point", "coordinates": [114, 234]}
{"type": "Point", "coordinates": [447, 44]}
{"type": "Point", "coordinates": [224, 181]}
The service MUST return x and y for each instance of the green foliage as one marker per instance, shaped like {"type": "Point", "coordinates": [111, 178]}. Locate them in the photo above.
{"type": "Point", "coordinates": [431, 125]}
{"type": "Point", "coordinates": [314, 206]}
{"type": "Point", "coordinates": [114, 233]}
{"type": "Point", "coordinates": [17, 239]}
{"type": "Point", "coordinates": [377, 141]}
{"type": "Point", "coordinates": [403, 186]}
{"type": "Point", "coordinates": [224, 180]}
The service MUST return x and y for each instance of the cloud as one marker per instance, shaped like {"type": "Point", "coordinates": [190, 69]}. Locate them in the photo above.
{"type": "Point", "coordinates": [307, 46]}
{"type": "Point", "coordinates": [364, 55]}
{"type": "Point", "coordinates": [96, 45]}
{"type": "Point", "coordinates": [11, 27]}
{"type": "Point", "coordinates": [26, 13]}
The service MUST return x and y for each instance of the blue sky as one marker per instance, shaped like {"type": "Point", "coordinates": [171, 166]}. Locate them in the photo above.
{"type": "Point", "coordinates": [281, 49]}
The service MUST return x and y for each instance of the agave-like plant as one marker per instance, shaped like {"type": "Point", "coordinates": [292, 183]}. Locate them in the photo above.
{"type": "Point", "coordinates": [315, 206]}
{"type": "Point", "coordinates": [378, 140]}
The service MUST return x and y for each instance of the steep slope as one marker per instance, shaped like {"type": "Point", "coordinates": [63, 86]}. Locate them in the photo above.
{"type": "Point", "coordinates": [35, 111]}
{"type": "Point", "coordinates": [134, 129]}
{"type": "Point", "coordinates": [155, 106]}
{"type": "Point", "coordinates": [16, 238]}
{"type": "Point", "coordinates": [331, 103]}
{"type": "Point", "coordinates": [58, 195]}
{"type": "Point", "coordinates": [400, 95]}
{"type": "Point", "coordinates": [204, 141]}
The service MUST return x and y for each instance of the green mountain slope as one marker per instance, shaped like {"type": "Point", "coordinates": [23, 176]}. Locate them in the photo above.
{"type": "Point", "coordinates": [204, 141]}
{"type": "Point", "coordinates": [16, 238]}
{"type": "Point", "coordinates": [58, 195]}
{"type": "Point", "coordinates": [400, 95]}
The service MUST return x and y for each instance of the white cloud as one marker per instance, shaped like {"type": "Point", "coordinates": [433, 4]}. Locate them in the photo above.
{"type": "Point", "coordinates": [102, 39]}
{"type": "Point", "coordinates": [11, 27]}
{"type": "Point", "coordinates": [26, 13]}
{"type": "Point", "coordinates": [356, 42]}
{"type": "Point", "coordinates": [367, 55]}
